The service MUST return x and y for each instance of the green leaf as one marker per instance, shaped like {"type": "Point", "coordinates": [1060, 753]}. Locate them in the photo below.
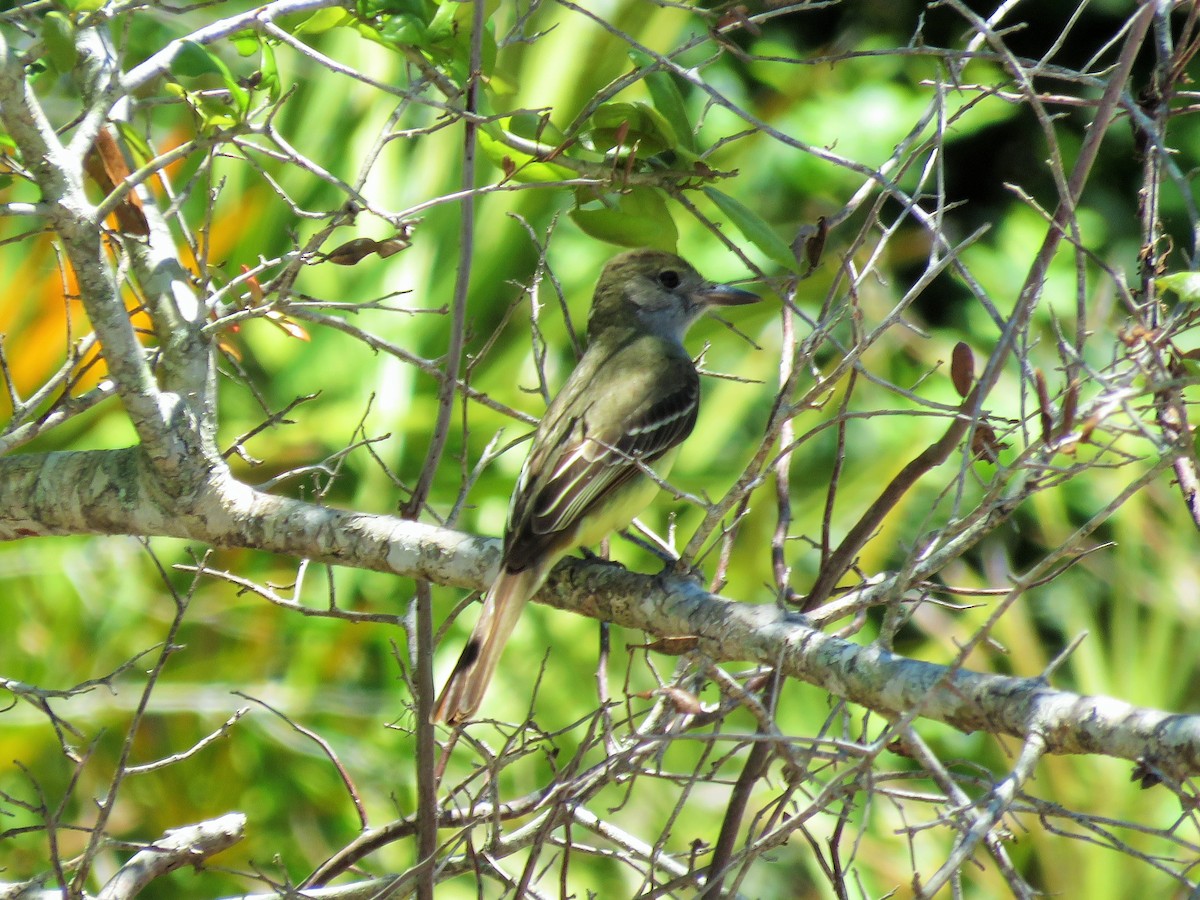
{"type": "Point", "coordinates": [1192, 368]}
{"type": "Point", "coordinates": [534, 127]}
{"type": "Point", "coordinates": [270, 72]}
{"type": "Point", "coordinates": [249, 42]}
{"type": "Point", "coordinates": [369, 9]}
{"type": "Point", "coordinates": [324, 20]}
{"type": "Point", "coordinates": [667, 100]}
{"type": "Point", "coordinates": [629, 124]}
{"type": "Point", "coordinates": [449, 21]}
{"type": "Point", "coordinates": [452, 21]}
{"type": "Point", "coordinates": [213, 113]}
{"type": "Point", "coordinates": [1185, 285]}
{"type": "Point", "coordinates": [194, 61]}
{"type": "Point", "coordinates": [77, 6]}
{"type": "Point", "coordinates": [637, 218]}
{"type": "Point", "coordinates": [58, 34]}
{"type": "Point", "coordinates": [399, 31]}
{"type": "Point", "coordinates": [246, 43]}
{"type": "Point", "coordinates": [516, 165]}
{"type": "Point", "coordinates": [753, 228]}
{"type": "Point", "coordinates": [136, 142]}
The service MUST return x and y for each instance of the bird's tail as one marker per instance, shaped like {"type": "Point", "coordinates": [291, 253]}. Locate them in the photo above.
{"type": "Point", "coordinates": [467, 684]}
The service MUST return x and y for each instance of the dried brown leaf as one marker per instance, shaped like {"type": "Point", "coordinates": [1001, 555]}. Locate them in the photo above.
{"type": "Point", "coordinates": [106, 165]}
{"type": "Point", "coordinates": [671, 646]}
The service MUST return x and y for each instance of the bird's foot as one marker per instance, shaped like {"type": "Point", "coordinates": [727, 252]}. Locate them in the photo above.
{"type": "Point", "coordinates": [661, 551]}
{"type": "Point", "coordinates": [681, 568]}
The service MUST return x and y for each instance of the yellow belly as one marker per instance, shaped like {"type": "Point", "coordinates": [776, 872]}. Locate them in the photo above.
{"type": "Point", "coordinates": [624, 505]}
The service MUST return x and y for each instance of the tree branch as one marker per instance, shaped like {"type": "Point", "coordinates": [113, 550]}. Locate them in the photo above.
{"type": "Point", "coordinates": [114, 492]}
{"type": "Point", "coordinates": [179, 847]}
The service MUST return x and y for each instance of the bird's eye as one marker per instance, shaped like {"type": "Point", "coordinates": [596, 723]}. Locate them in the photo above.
{"type": "Point", "coordinates": [669, 279]}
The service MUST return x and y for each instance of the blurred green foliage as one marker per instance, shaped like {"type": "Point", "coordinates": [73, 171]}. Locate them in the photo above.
{"type": "Point", "coordinates": [76, 609]}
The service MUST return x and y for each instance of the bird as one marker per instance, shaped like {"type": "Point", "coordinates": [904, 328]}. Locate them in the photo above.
{"type": "Point", "coordinates": [631, 399]}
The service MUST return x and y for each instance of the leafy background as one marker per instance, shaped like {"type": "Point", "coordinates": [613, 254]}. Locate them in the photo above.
{"type": "Point", "coordinates": [77, 608]}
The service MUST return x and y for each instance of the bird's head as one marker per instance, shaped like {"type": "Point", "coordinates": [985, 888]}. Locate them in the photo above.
{"type": "Point", "coordinates": [655, 292]}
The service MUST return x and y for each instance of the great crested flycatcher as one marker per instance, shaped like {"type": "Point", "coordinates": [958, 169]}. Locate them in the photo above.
{"type": "Point", "coordinates": [630, 401]}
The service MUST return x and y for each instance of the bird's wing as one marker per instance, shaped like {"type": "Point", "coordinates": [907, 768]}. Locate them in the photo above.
{"type": "Point", "coordinates": [598, 462]}
{"type": "Point", "coordinates": [593, 446]}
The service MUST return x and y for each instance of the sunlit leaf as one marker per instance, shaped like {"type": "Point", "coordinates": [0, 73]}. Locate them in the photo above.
{"type": "Point", "coordinates": [630, 124]}
{"type": "Point", "coordinates": [270, 72]}
{"type": "Point", "coordinates": [637, 218]}
{"type": "Point", "coordinates": [370, 9]}
{"type": "Point", "coordinates": [135, 142]}
{"type": "Point", "coordinates": [452, 22]}
{"type": "Point", "coordinates": [58, 33]}
{"type": "Point", "coordinates": [1185, 285]}
{"type": "Point", "coordinates": [667, 100]}
{"type": "Point", "coordinates": [215, 116]}
{"type": "Point", "coordinates": [399, 31]}
{"type": "Point", "coordinates": [323, 20]}
{"type": "Point", "coordinates": [246, 43]}
{"type": "Point", "coordinates": [290, 327]}
{"type": "Point", "coordinates": [516, 165]}
{"type": "Point", "coordinates": [253, 288]}
{"type": "Point", "coordinates": [753, 228]}
{"type": "Point", "coordinates": [193, 60]}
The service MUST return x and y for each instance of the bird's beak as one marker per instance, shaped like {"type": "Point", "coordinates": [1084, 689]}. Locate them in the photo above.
{"type": "Point", "coordinates": [722, 295]}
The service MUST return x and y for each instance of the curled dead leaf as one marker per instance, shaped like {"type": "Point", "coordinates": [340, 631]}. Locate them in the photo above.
{"type": "Point", "coordinates": [352, 252]}
{"type": "Point", "coordinates": [671, 646]}
{"type": "Point", "coordinates": [253, 288]}
{"type": "Point", "coordinates": [288, 326]}
{"type": "Point", "coordinates": [106, 165]}
{"type": "Point", "coordinates": [985, 444]}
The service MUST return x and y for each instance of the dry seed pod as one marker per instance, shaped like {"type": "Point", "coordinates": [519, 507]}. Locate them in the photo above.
{"type": "Point", "coordinates": [1044, 406]}
{"type": "Point", "coordinates": [683, 701]}
{"type": "Point", "coordinates": [1070, 404]}
{"type": "Point", "coordinates": [962, 369]}
{"type": "Point", "coordinates": [816, 243]}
